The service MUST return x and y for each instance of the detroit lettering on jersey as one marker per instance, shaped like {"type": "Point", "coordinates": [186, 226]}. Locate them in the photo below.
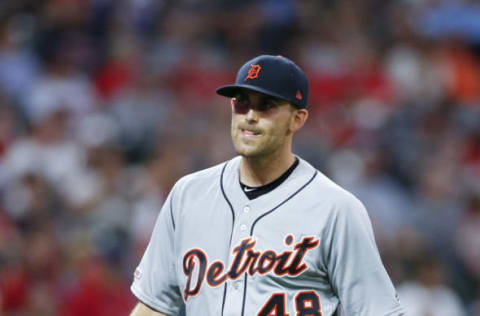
{"type": "Point", "coordinates": [245, 260]}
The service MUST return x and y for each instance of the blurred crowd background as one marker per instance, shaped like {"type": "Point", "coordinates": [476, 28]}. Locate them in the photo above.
{"type": "Point", "coordinates": [104, 104]}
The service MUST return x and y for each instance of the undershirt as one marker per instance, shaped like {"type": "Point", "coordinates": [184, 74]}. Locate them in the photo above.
{"type": "Point", "coordinates": [255, 192]}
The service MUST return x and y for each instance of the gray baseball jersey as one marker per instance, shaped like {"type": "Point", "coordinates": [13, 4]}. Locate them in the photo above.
{"type": "Point", "coordinates": [301, 249]}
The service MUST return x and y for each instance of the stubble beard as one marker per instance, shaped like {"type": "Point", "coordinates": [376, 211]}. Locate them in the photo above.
{"type": "Point", "coordinates": [261, 148]}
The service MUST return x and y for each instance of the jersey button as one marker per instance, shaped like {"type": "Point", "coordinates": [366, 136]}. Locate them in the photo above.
{"type": "Point", "coordinates": [237, 284]}
{"type": "Point", "coordinates": [246, 209]}
{"type": "Point", "coordinates": [243, 227]}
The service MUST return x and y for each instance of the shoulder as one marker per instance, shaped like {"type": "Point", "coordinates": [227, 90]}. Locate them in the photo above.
{"type": "Point", "coordinates": [327, 190]}
{"type": "Point", "coordinates": [329, 195]}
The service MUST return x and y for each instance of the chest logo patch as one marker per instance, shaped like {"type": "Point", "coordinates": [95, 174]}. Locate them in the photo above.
{"type": "Point", "coordinates": [245, 260]}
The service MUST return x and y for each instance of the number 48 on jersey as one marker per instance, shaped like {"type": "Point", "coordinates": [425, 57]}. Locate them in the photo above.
{"type": "Point", "coordinates": [307, 304]}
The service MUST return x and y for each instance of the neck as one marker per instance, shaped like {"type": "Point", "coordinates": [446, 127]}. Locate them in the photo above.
{"type": "Point", "coordinates": [258, 171]}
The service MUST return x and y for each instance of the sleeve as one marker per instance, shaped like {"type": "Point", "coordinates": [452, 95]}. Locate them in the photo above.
{"type": "Point", "coordinates": [354, 266]}
{"type": "Point", "coordinates": [155, 282]}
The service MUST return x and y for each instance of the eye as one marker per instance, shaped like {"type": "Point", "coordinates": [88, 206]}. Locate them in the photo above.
{"type": "Point", "coordinates": [240, 104]}
{"type": "Point", "coordinates": [241, 98]}
{"type": "Point", "coordinates": [268, 104]}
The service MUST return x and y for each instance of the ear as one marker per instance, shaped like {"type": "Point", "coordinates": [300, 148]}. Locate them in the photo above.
{"type": "Point", "coordinates": [299, 117]}
{"type": "Point", "coordinates": [231, 104]}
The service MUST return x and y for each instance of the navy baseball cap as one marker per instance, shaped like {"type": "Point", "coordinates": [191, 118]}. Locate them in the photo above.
{"type": "Point", "coordinates": [276, 76]}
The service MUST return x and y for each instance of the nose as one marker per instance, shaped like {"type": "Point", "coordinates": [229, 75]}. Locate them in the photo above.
{"type": "Point", "coordinates": [251, 116]}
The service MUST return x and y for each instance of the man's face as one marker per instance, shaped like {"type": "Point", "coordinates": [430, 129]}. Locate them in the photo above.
{"type": "Point", "coordinates": [260, 124]}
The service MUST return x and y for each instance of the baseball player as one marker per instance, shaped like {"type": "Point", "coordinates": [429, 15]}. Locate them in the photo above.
{"type": "Point", "coordinates": [264, 233]}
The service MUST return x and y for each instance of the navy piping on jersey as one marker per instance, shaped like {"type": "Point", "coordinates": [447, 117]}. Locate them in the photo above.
{"type": "Point", "coordinates": [231, 233]}
{"type": "Point", "coordinates": [171, 212]}
{"type": "Point", "coordinates": [256, 221]}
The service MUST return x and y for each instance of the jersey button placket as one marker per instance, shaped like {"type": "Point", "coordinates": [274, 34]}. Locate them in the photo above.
{"type": "Point", "coordinates": [244, 222]}
{"type": "Point", "coordinates": [237, 284]}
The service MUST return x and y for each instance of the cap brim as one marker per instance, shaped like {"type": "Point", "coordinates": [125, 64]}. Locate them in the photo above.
{"type": "Point", "coordinates": [231, 91]}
